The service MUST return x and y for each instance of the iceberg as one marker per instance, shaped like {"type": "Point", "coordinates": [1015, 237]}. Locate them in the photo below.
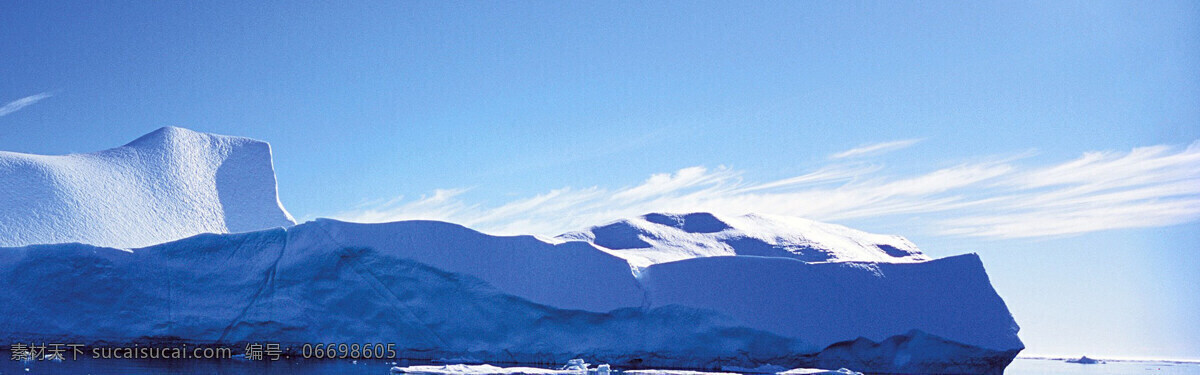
{"type": "Point", "coordinates": [1085, 361]}
{"type": "Point", "coordinates": [440, 290]}
{"type": "Point", "coordinates": [693, 291]}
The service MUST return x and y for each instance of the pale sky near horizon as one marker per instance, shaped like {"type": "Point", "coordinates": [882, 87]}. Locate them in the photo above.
{"type": "Point", "coordinates": [1060, 140]}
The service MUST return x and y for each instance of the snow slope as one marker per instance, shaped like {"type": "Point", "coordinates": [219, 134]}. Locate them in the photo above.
{"type": "Point", "coordinates": [166, 185]}
{"type": "Point", "coordinates": [439, 290]}
{"type": "Point", "coordinates": [662, 237]}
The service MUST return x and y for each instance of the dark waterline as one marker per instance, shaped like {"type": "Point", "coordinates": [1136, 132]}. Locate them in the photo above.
{"type": "Point", "coordinates": [381, 367]}
{"type": "Point", "coordinates": [197, 366]}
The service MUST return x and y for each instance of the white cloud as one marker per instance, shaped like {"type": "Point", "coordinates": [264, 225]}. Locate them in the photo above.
{"type": "Point", "coordinates": [875, 149]}
{"type": "Point", "coordinates": [16, 105]}
{"type": "Point", "coordinates": [1144, 187]}
{"type": "Point", "coordinates": [663, 183]}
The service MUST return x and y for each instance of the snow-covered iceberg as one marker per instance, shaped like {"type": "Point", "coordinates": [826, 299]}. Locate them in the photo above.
{"type": "Point", "coordinates": [684, 291]}
{"type": "Point", "coordinates": [167, 185]}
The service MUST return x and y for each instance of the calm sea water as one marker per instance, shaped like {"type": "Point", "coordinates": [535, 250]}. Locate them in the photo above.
{"type": "Point", "coordinates": [1057, 367]}
{"type": "Point", "coordinates": [138, 367]}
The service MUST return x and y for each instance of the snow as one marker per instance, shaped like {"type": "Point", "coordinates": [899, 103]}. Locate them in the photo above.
{"type": "Point", "coordinates": [664, 237]}
{"type": "Point", "coordinates": [169, 184]}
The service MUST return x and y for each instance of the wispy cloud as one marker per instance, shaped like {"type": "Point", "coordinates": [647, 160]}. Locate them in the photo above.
{"type": "Point", "coordinates": [16, 105]}
{"type": "Point", "coordinates": [1143, 187]}
{"type": "Point", "coordinates": [875, 149]}
{"type": "Point", "coordinates": [1146, 187]}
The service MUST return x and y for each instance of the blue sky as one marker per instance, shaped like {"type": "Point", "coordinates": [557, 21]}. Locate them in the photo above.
{"type": "Point", "coordinates": [1057, 139]}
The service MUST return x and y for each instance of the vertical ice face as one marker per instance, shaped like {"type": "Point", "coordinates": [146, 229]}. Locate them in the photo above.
{"type": "Point", "coordinates": [166, 185]}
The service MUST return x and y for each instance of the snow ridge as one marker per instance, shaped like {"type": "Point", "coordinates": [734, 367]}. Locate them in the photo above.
{"type": "Point", "coordinates": [166, 185]}
{"type": "Point", "coordinates": [663, 237]}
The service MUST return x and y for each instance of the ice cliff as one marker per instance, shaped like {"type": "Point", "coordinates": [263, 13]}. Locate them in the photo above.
{"type": "Point", "coordinates": [694, 291]}
{"type": "Point", "coordinates": [169, 184]}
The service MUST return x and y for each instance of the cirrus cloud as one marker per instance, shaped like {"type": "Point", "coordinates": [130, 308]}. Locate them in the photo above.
{"type": "Point", "coordinates": [875, 149]}
{"type": "Point", "coordinates": [1143, 187]}
{"type": "Point", "coordinates": [16, 105]}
